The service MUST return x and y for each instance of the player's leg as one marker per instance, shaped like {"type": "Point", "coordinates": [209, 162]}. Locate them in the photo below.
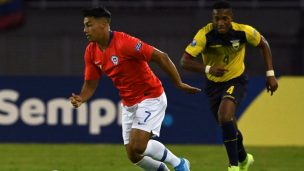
{"type": "Point", "coordinates": [224, 118]}
{"type": "Point", "coordinates": [151, 155]}
{"type": "Point", "coordinates": [234, 93]}
{"type": "Point", "coordinates": [135, 142]}
{"type": "Point", "coordinates": [136, 147]}
{"type": "Point", "coordinates": [159, 152]}
{"type": "Point", "coordinates": [245, 159]}
{"type": "Point", "coordinates": [241, 149]}
{"type": "Point", "coordinates": [149, 117]}
{"type": "Point", "coordinates": [229, 131]}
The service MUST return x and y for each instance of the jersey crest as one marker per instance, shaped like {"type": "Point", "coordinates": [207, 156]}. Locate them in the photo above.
{"type": "Point", "coordinates": [114, 60]}
{"type": "Point", "coordinates": [235, 44]}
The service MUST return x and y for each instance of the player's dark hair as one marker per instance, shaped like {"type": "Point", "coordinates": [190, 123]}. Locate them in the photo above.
{"type": "Point", "coordinates": [222, 5]}
{"type": "Point", "coordinates": [97, 12]}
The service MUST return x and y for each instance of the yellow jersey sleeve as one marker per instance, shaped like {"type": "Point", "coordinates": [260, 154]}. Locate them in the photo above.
{"type": "Point", "coordinates": [252, 35]}
{"type": "Point", "coordinates": [197, 46]}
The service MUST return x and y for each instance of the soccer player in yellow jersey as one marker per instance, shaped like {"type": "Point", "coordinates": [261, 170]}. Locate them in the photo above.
{"type": "Point", "coordinates": [221, 44]}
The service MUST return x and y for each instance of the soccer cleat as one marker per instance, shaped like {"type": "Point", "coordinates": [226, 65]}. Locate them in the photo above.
{"type": "Point", "coordinates": [246, 163]}
{"type": "Point", "coordinates": [184, 165]}
{"type": "Point", "coordinates": [233, 168]}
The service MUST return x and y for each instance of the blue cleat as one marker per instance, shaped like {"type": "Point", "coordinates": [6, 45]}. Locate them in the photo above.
{"type": "Point", "coordinates": [184, 165]}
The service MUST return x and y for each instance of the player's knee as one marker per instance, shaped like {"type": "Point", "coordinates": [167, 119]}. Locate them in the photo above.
{"type": "Point", "coordinates": [136, 147]}
{"type": "Point", "coordinates": [135, 152]}
{"type": "Point", "coordinates": [225, 117]}
{"type": "Point", "coordinates": [226, 110]}
{"type": "Point", "coordinates": [134, 158]}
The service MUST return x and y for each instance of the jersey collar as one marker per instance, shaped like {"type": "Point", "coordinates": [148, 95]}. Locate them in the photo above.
{"type": "Point", "coordinates": [110, 37]}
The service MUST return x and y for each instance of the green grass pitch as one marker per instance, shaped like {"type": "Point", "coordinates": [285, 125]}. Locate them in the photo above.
{"type": "Point", "coordinates": [106, 157]}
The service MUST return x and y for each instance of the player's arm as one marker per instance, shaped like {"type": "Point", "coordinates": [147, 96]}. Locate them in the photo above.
{"type": "Point", "coordinates": [271, 83]}
{"type": "Point", "coordinates": [87, 91]}
{"type": "Point", "coordinates": [91, 78]}
{"type": "Point", "coordinates": [189, 63]}
{"type": "Point", "coordinates": [162, 59]}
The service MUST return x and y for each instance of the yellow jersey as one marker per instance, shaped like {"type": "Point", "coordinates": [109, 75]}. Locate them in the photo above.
{"type": "Point", "coordinates": [226, 50]}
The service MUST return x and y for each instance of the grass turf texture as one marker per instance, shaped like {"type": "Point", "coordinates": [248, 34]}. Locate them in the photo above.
{"type": "Point", "coordinates": [106, 157]}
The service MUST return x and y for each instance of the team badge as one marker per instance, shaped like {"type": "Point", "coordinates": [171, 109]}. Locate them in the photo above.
{"type": "Point", "coordinates": [138, 46]}
{"type": "Point", "coordinates": [235, 44]}
{"type": "Point", "coordinates": [114, 59]}
{"type": "Point", "coordinates": [193, 43]}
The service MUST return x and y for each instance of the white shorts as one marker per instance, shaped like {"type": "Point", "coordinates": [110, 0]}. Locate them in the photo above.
{"type": "Point", "coordinates": [147, 115]}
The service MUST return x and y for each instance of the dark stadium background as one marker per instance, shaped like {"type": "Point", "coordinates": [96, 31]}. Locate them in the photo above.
{"type": "Point", "coordinates": [50, 41]}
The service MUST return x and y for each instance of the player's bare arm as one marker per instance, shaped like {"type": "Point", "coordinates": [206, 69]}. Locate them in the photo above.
{"type": "Point", "coordinates": [189, 63]}
{"type": "Point", "coordinates": [163, 60]}
{"type": "Point", "coordinates": [271, 82]}
{"type": "Point", "coordinates": [88, 89]}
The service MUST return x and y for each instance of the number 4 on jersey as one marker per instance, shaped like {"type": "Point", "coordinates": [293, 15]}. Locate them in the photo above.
{"type": "Point", "coordinates": [230, 90]}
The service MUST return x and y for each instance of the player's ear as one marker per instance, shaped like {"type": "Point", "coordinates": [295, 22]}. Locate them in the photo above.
{"type": "Point", "coordinates": [102, 22]}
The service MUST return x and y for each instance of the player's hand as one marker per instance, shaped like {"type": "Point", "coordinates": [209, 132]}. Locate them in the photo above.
{"type": "Point", "coordinates": [271, 84]}
{"type": "Point", "coordinates": [76, 100]}
{"type": "Point", "coordinates": [217, 71]}
{"type": "Point", "coordinates": [188, 89]}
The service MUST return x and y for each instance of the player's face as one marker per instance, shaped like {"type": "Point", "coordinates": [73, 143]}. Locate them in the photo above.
{"type": "Point", "coordinates": [93, 28]}
{"type": "Point", "coordinates": [222, 19]}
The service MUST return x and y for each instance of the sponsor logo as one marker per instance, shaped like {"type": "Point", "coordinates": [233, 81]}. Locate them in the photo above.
{"type": "Point", "coordinates": [33, 111]}
{"type": "Point", "coordinates": [97, 63]}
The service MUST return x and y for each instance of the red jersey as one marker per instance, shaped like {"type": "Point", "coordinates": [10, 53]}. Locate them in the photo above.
{"type": "Point", "coordinates": [125, 61]}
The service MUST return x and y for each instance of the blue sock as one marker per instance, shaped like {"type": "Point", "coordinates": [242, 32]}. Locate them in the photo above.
{"type": "Point", "coordinates": [241, 148]}
{"type": "Point", "coordinates": [230, 140]}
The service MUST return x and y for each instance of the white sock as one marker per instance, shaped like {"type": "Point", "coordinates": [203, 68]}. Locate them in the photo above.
{"type": "Point", "coordinates": [149, 164]}
{"type": "Point", "coordinates": [159, 152]}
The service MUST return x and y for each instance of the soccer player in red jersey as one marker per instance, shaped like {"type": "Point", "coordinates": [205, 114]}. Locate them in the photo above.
{"type": "Point", "coordinates": [125, 60]}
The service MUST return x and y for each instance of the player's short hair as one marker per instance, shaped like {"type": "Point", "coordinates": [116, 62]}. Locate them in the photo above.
{"type": "Point", "coordinates": [222, 5]}
{"type": "Point", "coordinates": [97, 12]}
